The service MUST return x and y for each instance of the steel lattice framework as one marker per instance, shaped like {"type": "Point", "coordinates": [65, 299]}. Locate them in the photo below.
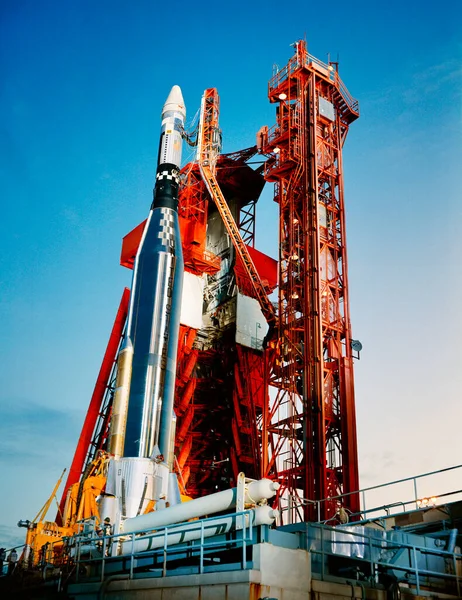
{"type": "Point", "coordinates": [287, 411]}
{"type": "Point", "coordinates": [220, 385]}
{"type": "Point", "coordinates": [309, 426]}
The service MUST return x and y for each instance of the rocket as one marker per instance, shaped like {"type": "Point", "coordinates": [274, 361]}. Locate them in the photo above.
{"type": "Point", "coordinates": [143, 418]}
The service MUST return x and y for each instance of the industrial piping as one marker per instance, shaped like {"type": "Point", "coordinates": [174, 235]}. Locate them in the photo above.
{"type": "Point", "coordinates": [261, 515]}
{"type": "Point", "coordinates": [255, 493]}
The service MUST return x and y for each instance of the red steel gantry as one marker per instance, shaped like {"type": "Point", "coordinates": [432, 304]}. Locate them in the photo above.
{"type": "Point", "coordinates": [220, 385]}
{"type": "Point", "coordinates": [286, 411]}
{"type": "Point", "coordinates": [309, 438]}
{"type": "Point", "coordinates": [221, 391]}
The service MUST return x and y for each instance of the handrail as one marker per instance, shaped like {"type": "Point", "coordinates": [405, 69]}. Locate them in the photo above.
{"type": "Point", "coordinates": [386, 507]}
{"type": "Point", "coordinates": [381, 485]}
{"type": "Point", "coordinates": [384, 544]}
{"type": "Point", "coordinates": [376, 547]}
{"type": "Point", "coordinates": [331, 74]}
{"type": "Point", "coordinates": [416, 500]}
{"type": "Point", "coordinates": [200, 525]}
{"type": "Point", "coordinates": [352, 103]}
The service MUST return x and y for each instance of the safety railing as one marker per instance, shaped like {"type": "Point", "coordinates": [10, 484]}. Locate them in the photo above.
{"type": "Point", "coordinates": [211, 258]}
{"type": "Point", "coordinates": [351, 102]}
{"type": "Point", "coordinates": [395, 505]}
{"type": "Point", "coordinates": [328, 71]}
{"type": "Point", "coordinates": [12, 559]}
{"type": "Point", "coordinates": [207, 260]}
{"type": "Point", "coordinates": [96, 550]}
{"type": "Point", "coordinates": [282, 74]}
{"type": "Point", "coordinates": [412, 561]}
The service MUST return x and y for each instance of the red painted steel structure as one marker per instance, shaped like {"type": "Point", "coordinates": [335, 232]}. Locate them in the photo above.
{"type": "Point", "coordinates": [94, 409]}
{"type": "Point", "coordinates": [220, 385]}
{"type": "Point", "coordinates": [239, 369]}
{"type": "Point", "coordinates": [288, 412]}
{"type": "Point", "coordinates": [193, 216]}
{"type": "Point", "coordinates": [309, 436]}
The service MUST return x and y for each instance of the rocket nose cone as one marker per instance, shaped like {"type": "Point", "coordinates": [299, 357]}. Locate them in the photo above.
{"type": "Point", "coordinates": [175, 101]}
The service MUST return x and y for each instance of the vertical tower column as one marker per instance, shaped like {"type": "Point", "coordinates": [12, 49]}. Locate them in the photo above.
{"type": "Point", "coordinates": [310, 426]}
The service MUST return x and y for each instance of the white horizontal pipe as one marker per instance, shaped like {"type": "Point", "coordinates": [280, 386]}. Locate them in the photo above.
{"type": "Point", "coordinates": [256, 491]}
{"type": "Point", "coordinates": [262, 515]}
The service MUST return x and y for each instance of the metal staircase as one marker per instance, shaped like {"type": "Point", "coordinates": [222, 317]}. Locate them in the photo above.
{"type": "Point", "coordinates": [208, 151]}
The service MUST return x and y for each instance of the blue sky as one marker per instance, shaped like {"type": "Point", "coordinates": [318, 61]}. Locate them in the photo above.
{"type": "Point", "coordinates": [81, 91]}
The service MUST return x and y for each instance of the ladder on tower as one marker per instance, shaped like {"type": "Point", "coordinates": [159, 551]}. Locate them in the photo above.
{"type": "Point", "coordinates": [207, 155]}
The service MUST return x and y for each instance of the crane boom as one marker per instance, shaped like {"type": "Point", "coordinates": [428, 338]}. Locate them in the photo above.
{"type": "Point", "coordinates": [43, 511]}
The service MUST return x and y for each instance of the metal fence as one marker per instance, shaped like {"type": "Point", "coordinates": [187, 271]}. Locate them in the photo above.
{"type": "Point", "coordinates": [414, 499]}
{"type": "Point", "coordinates": [414, 561]}
{"type": "Point", "coordinates": [203, 545]}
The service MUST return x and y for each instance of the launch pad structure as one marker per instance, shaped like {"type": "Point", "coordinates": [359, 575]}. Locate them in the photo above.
{"type": "Point", "coordinates": [247, 368]}
{"type": "Point", "coordinates": [285, 411]}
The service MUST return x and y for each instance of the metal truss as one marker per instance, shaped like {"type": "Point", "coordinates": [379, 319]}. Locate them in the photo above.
{"type": "Point", "coordinates": [309, 430]}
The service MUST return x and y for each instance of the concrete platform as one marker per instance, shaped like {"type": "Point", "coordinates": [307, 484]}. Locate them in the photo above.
{"type": "Point", "coordinates": [279, 573]}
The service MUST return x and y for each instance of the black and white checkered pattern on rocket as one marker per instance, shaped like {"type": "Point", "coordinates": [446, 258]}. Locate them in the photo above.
{"type": "Point", "coordinates": [167, 228]}
{"type": "Point", "coordinates": [171, 175]}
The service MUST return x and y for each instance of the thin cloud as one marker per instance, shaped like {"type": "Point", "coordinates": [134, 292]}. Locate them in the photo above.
{"type": "Point", "coordinates": [432, 79]}
{"type": "Point", "coordinates": [424, 80]}
{"type": "Point", "coordinates": [376, 466]}
{"type": "Point", "coordinates": [10, 536]}
{"type": "Point", "coordinates": [27, 428]}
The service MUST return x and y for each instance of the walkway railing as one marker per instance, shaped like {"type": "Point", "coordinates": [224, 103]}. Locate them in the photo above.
{"type": "Point", "coordinates": [413, 561]}
{"type": "Point", "coordinates": [329, 72]}
{"type": "Point", "coordinates": [414, 499]}
{"type": "Point", "coordinates": [202, 545]}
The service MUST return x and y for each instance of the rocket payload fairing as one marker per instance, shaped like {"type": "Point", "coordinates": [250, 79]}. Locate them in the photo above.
{"type": "Point", "coordinates": [143, 415]}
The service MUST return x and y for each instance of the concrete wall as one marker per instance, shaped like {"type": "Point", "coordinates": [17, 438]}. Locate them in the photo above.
{"type": "Point", "coordinates": [236, 585]}
{"type": "Point", "coordinates": [278, 573]}
{"type": "Point", "coordinates": [326, 590]}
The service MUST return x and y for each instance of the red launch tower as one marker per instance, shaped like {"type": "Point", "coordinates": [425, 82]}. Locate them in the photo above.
{"type": "Point", "coordinates": [310, 427]}
{"type": "Point", "coordinates": [264, 391]}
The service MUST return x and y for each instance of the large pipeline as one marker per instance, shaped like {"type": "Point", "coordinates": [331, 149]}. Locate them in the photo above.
{"type": "Point", "coordinates": [261, 515]}
{"type": "Point", "coordinates": [256, 492]}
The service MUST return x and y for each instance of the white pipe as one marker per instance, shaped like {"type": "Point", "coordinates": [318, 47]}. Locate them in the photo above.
{"type": "Point", "coordinates": [255, 492]}
{"type": "Point", "coordinates": [262, 515]}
